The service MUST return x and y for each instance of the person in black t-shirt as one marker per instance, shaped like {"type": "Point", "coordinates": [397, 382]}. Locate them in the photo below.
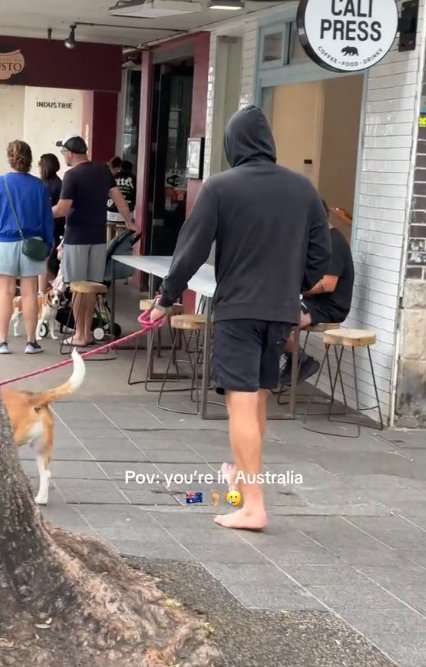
{"type": "Point", "coordinates": [48, 168]}
{"type": "Point", "coordinates": [328, 301]}
{"type": "Point", "coordinates": [126, 182]}
{"type": "Point", "coordinates": [85, 192]}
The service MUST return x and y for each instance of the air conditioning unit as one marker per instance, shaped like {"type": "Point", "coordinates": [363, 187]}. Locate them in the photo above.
{"type": "Point", "coordinates": [152, 9]}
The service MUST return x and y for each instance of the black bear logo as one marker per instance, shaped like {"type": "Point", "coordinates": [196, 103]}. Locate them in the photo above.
{"type": "Point", "coordinates": [350, 51]}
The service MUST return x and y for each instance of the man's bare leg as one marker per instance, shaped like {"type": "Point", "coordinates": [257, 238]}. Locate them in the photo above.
{"type": "Point", "coordinates": [229, 470]}
{"type": "Point", "coordinates": [247, 424]}
{"type": "Point", "coordinates": [90, 311]}
{"type": "Point", "coordinates": [305, 321]}
{"type": "Point", "coordinates": [79, 312]}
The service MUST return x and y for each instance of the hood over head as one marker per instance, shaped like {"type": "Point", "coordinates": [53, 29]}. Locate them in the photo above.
{"type": "Point", "coordinates": [249, 137]}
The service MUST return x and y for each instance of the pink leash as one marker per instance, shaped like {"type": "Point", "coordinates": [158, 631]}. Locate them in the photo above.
{"type": "Point", "coordinates": [144, 321]}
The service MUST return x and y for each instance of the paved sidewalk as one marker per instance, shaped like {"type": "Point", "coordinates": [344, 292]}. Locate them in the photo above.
{"type": "Point", "coordinates": [351, 539]}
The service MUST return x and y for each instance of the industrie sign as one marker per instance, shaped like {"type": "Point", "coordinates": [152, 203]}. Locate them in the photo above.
{"type": "Point", "coordinates": [347, 35]}
{"type": "Point", "coordinates": [11, 64]}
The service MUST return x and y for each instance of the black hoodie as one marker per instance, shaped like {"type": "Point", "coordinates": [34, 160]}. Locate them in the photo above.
{"type": "Point", "coordinates": [270, 227]}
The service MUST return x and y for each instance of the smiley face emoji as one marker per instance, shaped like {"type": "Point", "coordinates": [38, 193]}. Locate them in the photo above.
{"type": "Point", "coordinates": [234, 498]}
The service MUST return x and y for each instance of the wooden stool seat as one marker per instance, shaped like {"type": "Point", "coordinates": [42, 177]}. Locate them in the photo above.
{"type": "Point", "coordinates": [350, 337]}
{"type": "Point", "coordinates": [188, 322]}
{"type": "Point", "coordinates": [321, 327]}
{"type": "Point", "coordinates": [146, 304]}
{"type": "Point", "coordinates": [86, 287]}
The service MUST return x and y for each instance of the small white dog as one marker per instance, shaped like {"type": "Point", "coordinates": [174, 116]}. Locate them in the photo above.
{"type": "Point", "coordinates": [48, 306]}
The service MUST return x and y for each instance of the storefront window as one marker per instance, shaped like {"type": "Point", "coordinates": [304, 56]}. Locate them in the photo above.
{"type": "Point", "coordinates": [297, 53]}
{"type": "Point", "coordinates": [316, 128]}
{"type": "Point", "coordinates": [131, 117]}
{"type": "Point", "coordinates": [273, 47]}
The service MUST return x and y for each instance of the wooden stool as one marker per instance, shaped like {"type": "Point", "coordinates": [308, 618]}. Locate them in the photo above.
{"type": "Point", "coordinates": [347, 339]}
{"type": "Point", "coordinates": [184, 324]}
{"type": "Point", "coordinates": [87, 287]}
{"type": "Point", "coordinates": [144, 305]}
{"type": "Point", "coordinates": [312, 328]}
{"type": "Point", "coordinates": [101, 312]}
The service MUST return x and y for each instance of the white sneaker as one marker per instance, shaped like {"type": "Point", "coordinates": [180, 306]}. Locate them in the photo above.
{"type": "Point", "coordinates": [33, 348]}
{"type": "Point", "coordinates": [4, 347]}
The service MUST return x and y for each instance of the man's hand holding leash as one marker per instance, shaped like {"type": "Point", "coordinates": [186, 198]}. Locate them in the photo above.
{"type": "Point", "coordinates": [158, 312]}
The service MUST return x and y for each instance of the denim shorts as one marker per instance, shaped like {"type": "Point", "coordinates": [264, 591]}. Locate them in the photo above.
{"type": "Point", "coordinates": [15, 264]}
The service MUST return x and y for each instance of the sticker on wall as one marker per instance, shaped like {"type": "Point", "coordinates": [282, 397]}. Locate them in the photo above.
{"type": "Point", "coordinates": [11, 64]}
{"type": "Point", "coordinates": [347, 35]}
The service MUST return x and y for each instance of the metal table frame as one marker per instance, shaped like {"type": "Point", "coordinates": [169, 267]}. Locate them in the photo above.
{"type": "Point", "coordinates": [137, 264]}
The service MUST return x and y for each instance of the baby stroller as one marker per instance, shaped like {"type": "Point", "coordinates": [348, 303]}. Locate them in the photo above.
{"type": "Point", "coordinates": [121, 245]}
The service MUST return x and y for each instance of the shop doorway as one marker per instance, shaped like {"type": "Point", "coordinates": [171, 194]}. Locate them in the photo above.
{"type": "Point", "coordinates": [316, 126]}
{"type": "Point", "coordinates": [167, 187]}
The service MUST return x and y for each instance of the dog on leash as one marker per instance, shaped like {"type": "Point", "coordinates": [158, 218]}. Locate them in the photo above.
{"type": "Point", "coordinates": [48, 306]}
{"type": "Point", "coordinates": [32, 421]}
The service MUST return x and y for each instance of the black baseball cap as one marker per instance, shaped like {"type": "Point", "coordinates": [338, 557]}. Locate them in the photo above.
{"type": "Point", "coordinates": [74, 144]}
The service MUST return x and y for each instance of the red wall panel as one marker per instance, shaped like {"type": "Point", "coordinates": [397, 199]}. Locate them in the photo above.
{"type": "Point", "coordinates": [104, 126]}
{"type": "Point", "coordinates": [48, 63]}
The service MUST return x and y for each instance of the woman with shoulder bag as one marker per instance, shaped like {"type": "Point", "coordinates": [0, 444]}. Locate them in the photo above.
{"type": "Point", "coordinates": [26, 239]}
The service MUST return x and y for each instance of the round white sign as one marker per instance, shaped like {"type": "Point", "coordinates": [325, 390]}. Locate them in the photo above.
{"type": "Point", "coordinates": [347, 35]}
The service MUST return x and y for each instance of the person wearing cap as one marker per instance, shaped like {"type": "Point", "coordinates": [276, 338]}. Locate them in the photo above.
{"type": "Point", "coordinates": [86, 188]}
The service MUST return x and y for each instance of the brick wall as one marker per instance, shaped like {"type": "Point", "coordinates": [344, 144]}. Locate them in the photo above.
{"type": "Point", "coordinates": [416, 255]}
{"type": "Point", "coordinates": [411, 385]}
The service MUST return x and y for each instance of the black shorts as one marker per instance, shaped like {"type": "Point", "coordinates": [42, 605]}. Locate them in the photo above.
{"type": "Point", "coordinates": [246, 354]}
{"type": "Point", "coordinates": [319, 312]}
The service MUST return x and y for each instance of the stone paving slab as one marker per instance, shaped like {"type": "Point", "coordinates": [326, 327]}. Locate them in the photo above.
{"type": "Point", "coordinates": [406, 439]}
{"type": "Point", "coordinates": [273, 589]}
{"type": "Point", "coordinates": [351, 539]}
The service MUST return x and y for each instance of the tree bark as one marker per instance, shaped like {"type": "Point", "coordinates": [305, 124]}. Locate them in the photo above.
{"type": "Point", "coordinates": [71, 601]}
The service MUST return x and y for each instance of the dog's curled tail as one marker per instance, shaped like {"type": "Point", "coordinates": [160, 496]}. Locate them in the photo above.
{"type": "Point", "coordinates": [66, 389]}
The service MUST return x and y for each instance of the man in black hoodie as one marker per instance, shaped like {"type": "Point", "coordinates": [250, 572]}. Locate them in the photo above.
{"type": "Point", "coordinates": [272, 243]}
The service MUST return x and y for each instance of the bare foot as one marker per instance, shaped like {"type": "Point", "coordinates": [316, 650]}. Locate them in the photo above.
{"type": "Point", "coordinates": [243, 520]}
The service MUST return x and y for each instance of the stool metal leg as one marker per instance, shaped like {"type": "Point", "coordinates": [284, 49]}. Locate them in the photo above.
{"type": "Point", "coordinates": [150, 351]}
{"type": "Point", "coordinates": [67, 327]}
{"type": "Point", "coordinates": [333, 383]}
{"type": "Point", "coordinates": [314, 388]}
{"type": "Point", "coordinates": [194, 370]}
{"type": "Point", "coordinates": [342, 386]}
{"type": "Point", "coordinates": [103, 315]}
{"type": "Point", "coordinates": [338, 376]}
{"type": "Point", "coordinates": [375, 389]}
{"type": "Point", "coordinates": [358, 410]}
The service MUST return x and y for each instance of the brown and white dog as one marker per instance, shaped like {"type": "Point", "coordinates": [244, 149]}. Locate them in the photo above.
{"type": "Point", "coordinates": [48, 306]}
{"type": "Point", "coordinates": [32, 420]}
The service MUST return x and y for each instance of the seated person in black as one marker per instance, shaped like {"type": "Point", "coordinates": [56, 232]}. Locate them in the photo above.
{"type": "Point", "coordinates": [328, 301]}
{"type": "Point", "coordinates": [126, 182]}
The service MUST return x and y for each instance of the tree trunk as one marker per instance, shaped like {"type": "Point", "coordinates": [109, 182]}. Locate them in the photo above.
{"type": "Point", "coordinates": [71, 601]}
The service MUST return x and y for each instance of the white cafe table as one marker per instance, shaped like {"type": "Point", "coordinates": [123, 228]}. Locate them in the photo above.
{"type": "Point", "coordinates": [204, 283]}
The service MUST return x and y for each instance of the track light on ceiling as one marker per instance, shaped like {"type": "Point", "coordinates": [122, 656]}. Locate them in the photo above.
{"type": "Point", "coordinates": [226, 4]}
{"type": "Point", "coordinates": [70, 41]}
